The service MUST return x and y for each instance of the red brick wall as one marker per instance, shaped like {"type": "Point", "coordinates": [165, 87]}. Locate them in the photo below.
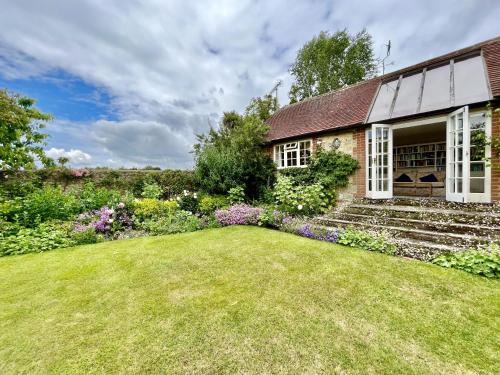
{"type": "Point", "coordinates": [495, 172]}
{"type": "Point", "coordinates": [359, 154]}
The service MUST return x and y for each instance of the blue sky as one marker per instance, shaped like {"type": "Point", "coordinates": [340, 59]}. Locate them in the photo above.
{"type": "Point", "coordinates": [130, 83]}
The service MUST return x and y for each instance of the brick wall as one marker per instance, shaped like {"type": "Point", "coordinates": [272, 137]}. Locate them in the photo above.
{"type": "Point", "coordinates": [495, 172]}
{"type": "Point", "coordinates": [359, 154]}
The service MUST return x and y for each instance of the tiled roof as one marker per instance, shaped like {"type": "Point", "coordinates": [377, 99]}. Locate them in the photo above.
{"type": "Point", "coordinates": [337, 109]}
{"type": "Point", "coordinates": [349, 106]}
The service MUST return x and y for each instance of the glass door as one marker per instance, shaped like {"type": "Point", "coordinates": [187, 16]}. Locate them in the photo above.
{"type": "Point", "coordinates": [379, 161]}
{"type": "Point", "coordinates": [457, 155]}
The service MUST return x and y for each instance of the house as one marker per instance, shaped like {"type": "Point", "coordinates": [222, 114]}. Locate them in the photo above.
{"type": "Point", "coordinates": [420, 131]}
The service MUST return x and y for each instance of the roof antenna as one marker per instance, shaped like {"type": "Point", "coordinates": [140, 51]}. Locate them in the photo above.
{"type": "Point", "coordinates": [275, 89]}
{"type": "Point", "coordinates": [388, 53]}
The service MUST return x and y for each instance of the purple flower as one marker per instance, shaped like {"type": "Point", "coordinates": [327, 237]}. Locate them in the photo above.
{"type": "Point", "coordinates": [239, 214]}
{"type": "Point", "coordinates": [308, 231]}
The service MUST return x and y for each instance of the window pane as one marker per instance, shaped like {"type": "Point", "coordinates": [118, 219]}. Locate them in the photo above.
{"type": "Point", "coordinates": [470, 81]}
{"type": "Point", "coordinates": [407, 100]}
{"type": "Point", "coordinates": [436, 92]}
{"type": "Point", "coordinates": [477, 185]}
{"type": "Point", "coordinates": [382, 105]}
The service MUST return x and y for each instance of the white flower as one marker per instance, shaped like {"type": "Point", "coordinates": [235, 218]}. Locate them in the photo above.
{"type": "Point", "coordinates": [185, 193]}
{"type": "Point", "coordinates": [110, 220]}
{"type": "Point", "coordinates": [195, 196]}
{"type": "Point", "coordinates": [300, 207]}
{"type": "Point", "coordinates": [178, 198]}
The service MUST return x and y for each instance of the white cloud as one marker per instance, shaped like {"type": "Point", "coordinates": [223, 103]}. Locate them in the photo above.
{"type": "Point", "coordinates": [76, 157]}
{"type": "Point", "coordinates": [172, 67]}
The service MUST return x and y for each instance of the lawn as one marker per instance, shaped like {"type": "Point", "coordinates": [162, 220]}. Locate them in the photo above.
{"type": "Point", "coordinates": [241, 300]}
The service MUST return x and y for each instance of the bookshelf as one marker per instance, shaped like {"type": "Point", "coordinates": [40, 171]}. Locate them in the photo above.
{"type": "Point", "coordinates": [422, 155]}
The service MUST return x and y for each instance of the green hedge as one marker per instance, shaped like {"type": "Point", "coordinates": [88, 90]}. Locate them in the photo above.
{"type": "Point", "coordinates": [173, 182]}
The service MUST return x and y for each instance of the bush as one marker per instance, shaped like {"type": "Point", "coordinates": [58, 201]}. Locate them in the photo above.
{"type": "Point", "coordinates": [366, 241]}
{"type": "Point", "coordinates": [46, 204]}
{"type": "Point", "coordinates": [92, 198]}
{"type": "Point", "coordinates": [174, 222]}
{"type": "Point", "coordinates": [272, 218]}
{"type": "Point", "coordinates": [210, 203]}
{"type": "Point", "coordinates": [105, 220]}
{"type": "Point", "coordinates": [330, 168]}
{"type": "Point", "coordinates": [239, 214]}
{"type": "Point", "coordinates": [236, 195]}
{"type": "Point", "coordinates": [152, 191]}
{"type": "Point", "coordinates": [88, 236]}
{"type": "Point", "coordinates": [188, 201]}
{"type": "Point", "coordinates": [147, 208]}
{"type": "Point", "coordinates": [43, 238]}
{"type": "Point", "coordinates": [305, 199]}
{"type": "Point", "coordinates": [322, 234]}
{"type": "Point", "coordinates": [484, 263]}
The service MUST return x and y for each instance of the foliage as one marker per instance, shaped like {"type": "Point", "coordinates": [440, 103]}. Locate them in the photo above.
{"type": "Point", "coordinates": [49, 203]}
{"type": "Point", "coordinates": [105, 220]}
{"type": "Point", "coordinates": [263, 107]}
{"type": "Point", "coordinates": [87, 236]}
{"type": "Point", "coordinates": [272, 218]}
{"type": "Point", "coordinates": [366, 241]}
{"type": "Point", "coordinates": [151, 190]}
{"type": "Point", "coordinates": [45, 237]}
{"type": "Point", "coordinates": [331, 168]}
{"type": "Point", "coordinates": [239, 214]}
{"type": "Point", "coordinates": [188, 201]}
{"type": "Point", "coordinates": [210, 203]}
{"type": "Point", "coordinates": [21, 139]}
{"type": "Point", "coordinates": [175, 222]}
{"type": "Point", "coordinates": [233, 156]}
{"type": "Point", "coordinates": [147, 208]}
{"type": "Point", "coordinates": [305, 199]}
{"type": "Point", "coordinates": [331, 61]}
{"type": "Point", "coordinates": [236, 195]}
{"type": "Point", "coordinates": [484, 263]}
{"type": "Point", "coordinates": [92, 198]}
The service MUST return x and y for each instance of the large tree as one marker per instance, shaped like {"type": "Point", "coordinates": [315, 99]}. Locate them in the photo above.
{"type": "Point", "coordinates": [234, 155]}
{"type": "Point", "coordinates": [21, 139]}
{"type": "Point", "coordinates": [332, 61]}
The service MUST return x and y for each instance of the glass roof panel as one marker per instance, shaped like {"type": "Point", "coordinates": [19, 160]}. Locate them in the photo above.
{"type": "Point", "coordinates": [470, 81]}
{"type": "Point", "coordinates": [407, 100]}
{"type": "Point", "coordinates": [382, 105]}
{"type": "Point", "coordinates": [436, 93]}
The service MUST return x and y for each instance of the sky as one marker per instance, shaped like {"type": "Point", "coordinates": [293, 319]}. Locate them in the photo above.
{"type": "Point", "coordinates": [131, 82]}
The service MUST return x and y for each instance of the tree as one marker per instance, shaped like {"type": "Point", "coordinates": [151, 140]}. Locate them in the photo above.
{"type": "Point", "coordinates": [63, 160]}
{"type": "Point", "coordinates": [21, 140]}
{"type": "Point", "coordinates": [329, 62]}
{"type": "Point", "coordinates": [263, 107]}
{"type": "Point", "coordinates": [234, 155]}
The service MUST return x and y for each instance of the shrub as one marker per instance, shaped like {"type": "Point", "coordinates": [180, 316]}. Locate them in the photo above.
{"type": "Point", "coordinates": [45, 237]}
{"type": "Point", "coordinates": [88, 236]}
{"type": "Point", "coordinates": [210, 203]}
{"type": "Point", "coordinates": [236, 195]}
{"type": "Point", "coordinates": [151, 190]}
{"type": "Point", "coordinates": [366, 241]}
{"type": "Point", "coordinates": [46, 204]}
{"type": "Point", "coordinates": [188, 201]}
{"type": "Point", "coordinates": [305, 199]}
{"type": "Point", "coordinates": [147, 208]}
{"type": "Point", "coordinates": [272, 218]}
{"type": "Point", "coordinates": [239, 214]}
{"type": "Point", "coordinates": [322, 234]}
{"type": "Point", "coordinates": [174, 222]}
{"type": "Point", "coordinates": [484, 263]}
{"type": "Point", "coordinates": [92, 198]}
{"type": "Point", "coordinates": [105, 220]}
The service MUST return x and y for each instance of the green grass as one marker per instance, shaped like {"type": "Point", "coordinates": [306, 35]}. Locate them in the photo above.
{"type": "Point", "coordinates": [241, 300]}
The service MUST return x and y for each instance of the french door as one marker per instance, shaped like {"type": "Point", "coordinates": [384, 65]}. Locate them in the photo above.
{"type": "Point", "coordinates": [458, 155]}
{"type": "Point", "coordinates": [379, 161]}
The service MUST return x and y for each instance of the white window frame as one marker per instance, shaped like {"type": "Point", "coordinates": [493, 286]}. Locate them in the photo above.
{"type": "Point", "coordinates": [290, 146]}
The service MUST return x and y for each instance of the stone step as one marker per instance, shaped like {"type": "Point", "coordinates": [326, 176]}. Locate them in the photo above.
{"type": "Point", "coordinates": [432, 203]}
{"type": "Point", "coordinates": [482, 218]}
{"type": "Point", "coordinates": [438, 226]}
{"type": "Point", "coordinates": [458, 240]}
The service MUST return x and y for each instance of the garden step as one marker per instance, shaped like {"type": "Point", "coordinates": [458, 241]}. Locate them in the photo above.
{"type": "Point", "coordinates": [439, 226]}
{"type": "Point", "coordinates": [483, 218]}
{"type": "Point", "coordinates": [446, 238]}
{"type": "Point", "coordinates": [432, 203]}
